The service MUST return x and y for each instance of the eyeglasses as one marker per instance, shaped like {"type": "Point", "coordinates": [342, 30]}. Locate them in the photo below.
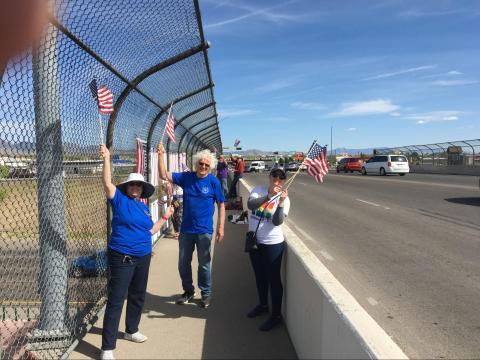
{"type": "Point", "coordinates": [203, 164]}
{"type": "Point", "coordinates": [277, 175]}
{"type": "Point", "coordinates": [135, 183]}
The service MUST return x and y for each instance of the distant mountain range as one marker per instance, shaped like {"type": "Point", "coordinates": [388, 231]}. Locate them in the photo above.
{"type": "Point", "coordinates": [338, 151]}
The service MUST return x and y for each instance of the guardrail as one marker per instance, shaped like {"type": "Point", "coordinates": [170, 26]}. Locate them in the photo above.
{"type": "Point", "coordinates": [452, 153]}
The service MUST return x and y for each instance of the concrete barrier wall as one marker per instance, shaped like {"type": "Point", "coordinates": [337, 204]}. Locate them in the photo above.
{"type": "Point", "coordinates": [452, 170]}
{"type": "Point", "coordinates": [322, 317]}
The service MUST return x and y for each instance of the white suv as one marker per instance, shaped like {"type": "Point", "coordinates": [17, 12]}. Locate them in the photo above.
{"type": "Point", "coordinates": [256, 166]}
{"type": "Point", "coordinates": [386, 164]}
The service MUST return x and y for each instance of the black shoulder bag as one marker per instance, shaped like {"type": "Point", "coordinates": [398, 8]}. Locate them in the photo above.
{"type": "Point", "coordinates": [251, 237]}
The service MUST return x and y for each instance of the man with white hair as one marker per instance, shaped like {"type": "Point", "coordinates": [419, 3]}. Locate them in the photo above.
{"type": "Point", "coordinates": [201, 190]}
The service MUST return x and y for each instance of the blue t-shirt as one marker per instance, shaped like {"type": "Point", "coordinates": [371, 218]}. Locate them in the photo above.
{"type": "Point", "coordinates": [199, 196]}
{"type": "Point", "coordinates": [131, 225]}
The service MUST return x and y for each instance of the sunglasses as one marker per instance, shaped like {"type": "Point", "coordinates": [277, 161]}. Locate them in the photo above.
{"type": "Point", "coordinates": [135, 183]}
{"type": "Point", "coordinates": [203, 164]}
{"type": "Point", "coordinates": [278, 175]}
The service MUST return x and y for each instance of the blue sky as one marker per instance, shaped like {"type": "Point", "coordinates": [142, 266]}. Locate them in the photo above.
{"type": "Point", "coordinates": [382, 73]}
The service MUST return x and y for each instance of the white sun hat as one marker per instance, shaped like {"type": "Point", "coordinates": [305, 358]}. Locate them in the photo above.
{"type": "Point", "coordinates": [148, 189]}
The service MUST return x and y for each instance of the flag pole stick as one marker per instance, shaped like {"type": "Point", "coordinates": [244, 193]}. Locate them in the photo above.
{"type": "Point", "coordinates": [165, 127]}
{"type": "Point", "coordinates": [102, 136]}
{"type": "Point", "coordinates": [290, 181]}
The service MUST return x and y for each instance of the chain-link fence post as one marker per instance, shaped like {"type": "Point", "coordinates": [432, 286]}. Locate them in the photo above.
{"type": "Point", "coordinates": [52, 280]}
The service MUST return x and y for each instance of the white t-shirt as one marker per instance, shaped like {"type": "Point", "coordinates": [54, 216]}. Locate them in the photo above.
{"type": "Point", "coordinates": [267, 232]}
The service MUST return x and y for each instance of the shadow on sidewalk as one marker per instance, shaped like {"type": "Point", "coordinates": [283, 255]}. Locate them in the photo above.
{"type": "Point", "coordinates": [228, 331]}
{"type": "Point", "coordinates": [169, 310]}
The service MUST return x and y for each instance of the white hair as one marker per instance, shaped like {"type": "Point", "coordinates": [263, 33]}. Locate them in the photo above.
{"type": "Point", "coordinates": [207, 155]}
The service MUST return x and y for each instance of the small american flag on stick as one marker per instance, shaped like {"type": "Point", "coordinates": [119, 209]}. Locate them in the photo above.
{"type": "Point", "coordinates": [316, 162]}
{"type": "Point", "coordinates": [103, 96]}
{"type": "Point", "coordinates": [170, 125]}
{"type": "Point", "coordinates": [237, 142]}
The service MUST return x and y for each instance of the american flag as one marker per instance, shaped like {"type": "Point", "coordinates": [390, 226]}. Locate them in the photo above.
{"type": "Point", "coordinates": [316, 162]}
{"type": "Point", "coordinates": [237, 142]}
{"type": "Point", "coordinates": [139, 157]}
{"type": "Point", "coordinates": [140, 161]}
{"type": "Point", "coordinates": [170, 125]}
{"type": "Point", "coordinates": [103, 96]}
{"type": "Point", "coordinates": [185, 167]}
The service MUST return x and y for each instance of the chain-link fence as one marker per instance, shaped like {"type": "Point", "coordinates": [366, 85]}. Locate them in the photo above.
{"type": "Point", "coordinates": [454, 153]}
{"type": "Point", "coordinates": [54, 221]}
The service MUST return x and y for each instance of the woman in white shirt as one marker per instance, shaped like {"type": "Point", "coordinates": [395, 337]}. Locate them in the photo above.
{"type": "Point", "coordinates": [270, 206]}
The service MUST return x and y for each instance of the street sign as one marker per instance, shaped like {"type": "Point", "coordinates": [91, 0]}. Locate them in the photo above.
{"type": "Point", "coordinates": [226, 148]}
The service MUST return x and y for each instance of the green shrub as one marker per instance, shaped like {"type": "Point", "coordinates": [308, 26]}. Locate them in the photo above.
{"type": "Point", "coordinates": [3, 171]}
{"type": "Point", "coordinates": [3, 195]}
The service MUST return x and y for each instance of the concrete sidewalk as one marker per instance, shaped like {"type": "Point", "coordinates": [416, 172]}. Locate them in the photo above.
{"type": "Point", "coordinates": [189, 331]}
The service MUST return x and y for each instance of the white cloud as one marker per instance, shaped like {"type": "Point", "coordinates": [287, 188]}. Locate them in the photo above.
{"type": "Point", "coordinates": [416, 13]}
{"type": "Point", "coordinates": [352, 129]}
{"type": "Point", "coordinates": [395, 114]}
{"type": "Point", "coordinates": [372, 107]}
{"type": "Point", "coordinates": [455, 82]}
{"type": "Point", "coordinates": [307, 105]}
{"type": "Point", "coordinates": [435, 116]}
{"type": "Point", "coordinates": [266, 13]}
{"type": "Point", "coordinates": [395, 73]}
{"type": "Point", "coordinates": [454, 72]}
{"type": "Point", "coordinates": [274, 86]}
{"type": "Point", "coordinates": [224, 113]}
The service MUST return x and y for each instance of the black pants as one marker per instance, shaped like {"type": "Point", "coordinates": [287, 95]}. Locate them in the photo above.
{"type": "Point", "coordinates": [267, 262]}
{"type": "Point", "coordinates": [128, 276]}
{"type": "Point", "coordinates": [232, 193]}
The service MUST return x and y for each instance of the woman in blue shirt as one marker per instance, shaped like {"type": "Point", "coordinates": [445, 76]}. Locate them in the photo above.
{"type": "Point", "coordinates": [129, 252]}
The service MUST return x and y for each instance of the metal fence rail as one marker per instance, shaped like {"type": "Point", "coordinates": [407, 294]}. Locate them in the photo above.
{"type": "Point", "coordinates": [453, 153]}
{"type": "Point", "coordinates": [53, 213]}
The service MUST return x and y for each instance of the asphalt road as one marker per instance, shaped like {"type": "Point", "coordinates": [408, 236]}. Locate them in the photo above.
{"type": "Point", "coordinates": [407, 248]}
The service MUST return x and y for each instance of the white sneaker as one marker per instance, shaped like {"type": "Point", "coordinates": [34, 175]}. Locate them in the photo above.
{"type": "Point", "coordinates": [107, 355]}
{"type": "Point", "coordinates": [137, 337]}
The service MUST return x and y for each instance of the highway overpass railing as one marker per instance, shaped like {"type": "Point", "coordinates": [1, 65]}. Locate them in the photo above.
{"type": "Point", "coordinates": [54, 221]}
{"type": "Point", "coordinates": [452, 153]}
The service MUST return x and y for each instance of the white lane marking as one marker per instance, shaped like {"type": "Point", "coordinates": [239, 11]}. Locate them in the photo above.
{"type": "Point", "coordinates": [373, 204]}
{"type": "Point", "coordinates": [372, 301]}
{"type": "Point", "coordinates": [326, 255]}
{"type": "Point", "coordinates": [301, 183]}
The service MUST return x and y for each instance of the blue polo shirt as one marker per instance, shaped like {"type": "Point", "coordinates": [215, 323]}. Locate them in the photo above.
{"type": "Point", "coordinates": [199, 197]}
{"type": "Point", "coordinates": [131, 225]}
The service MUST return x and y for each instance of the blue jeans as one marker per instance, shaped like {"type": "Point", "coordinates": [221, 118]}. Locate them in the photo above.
{"type": "Point", "coordinates": [128, 276]}
{"type": "Point", "coordinates": [224, 182]}
{"type": "Point", "coordinates": [187, 243]}
{"type": "Point", "coordinates": [266, 263]}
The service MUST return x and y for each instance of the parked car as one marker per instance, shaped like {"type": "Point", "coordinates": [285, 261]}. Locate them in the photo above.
{"type": "Point", "coordinates": [256, 166]}
{"type": "Point", "coordinates": [292, 166]}
{"type": "Point", "coordinates": [90, 265]}
{"type": "Point", "coordinates": [350, 164]}
{"type": "Point", "coordinates": [386, 164]}
{"type": "Point", "coordinates": [303, 167]}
